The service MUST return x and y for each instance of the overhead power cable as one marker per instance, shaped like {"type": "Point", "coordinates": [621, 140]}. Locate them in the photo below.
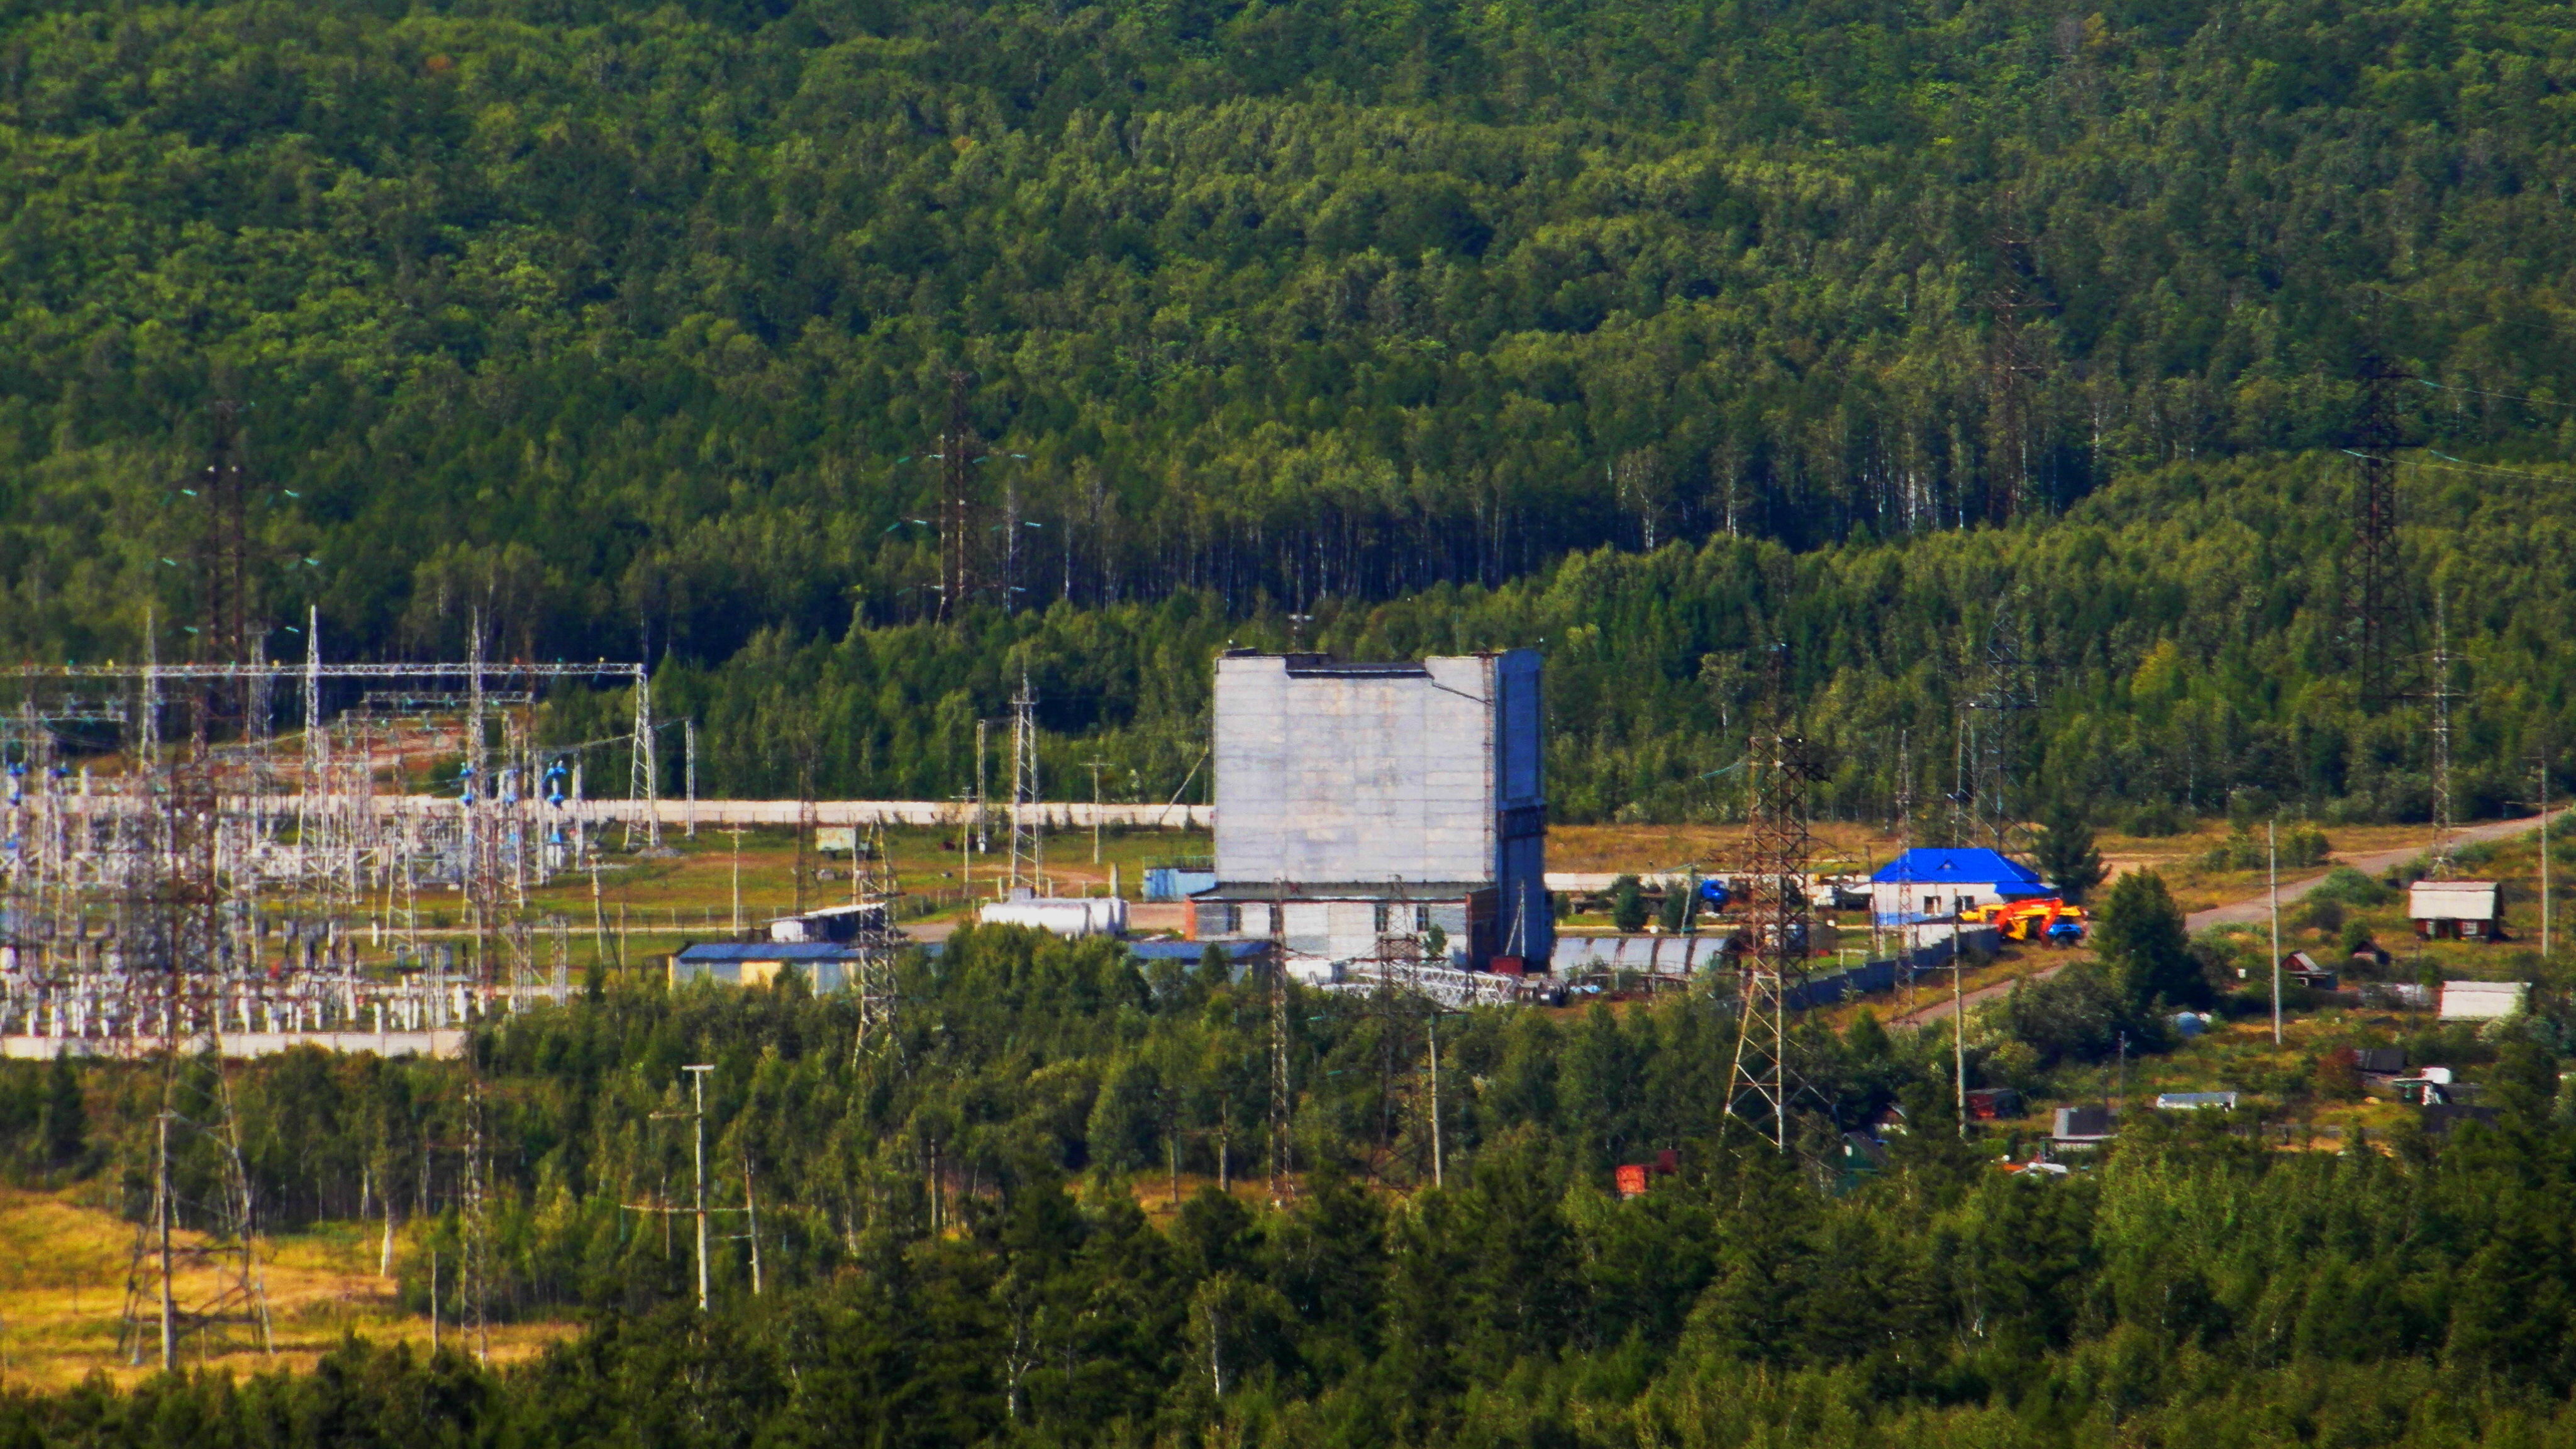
{"type": "Point", "coordinates": [2450, 464]}
{"type": "Point", "coordinates": [2538, 402]}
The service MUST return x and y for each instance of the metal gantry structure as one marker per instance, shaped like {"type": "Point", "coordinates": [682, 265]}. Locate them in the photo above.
{"type": "Point", "coordinates": [211, 880]}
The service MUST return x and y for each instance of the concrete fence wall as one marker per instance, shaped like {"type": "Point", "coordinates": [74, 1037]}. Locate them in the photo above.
{"type": "Point", "coordinates": [1053, 814]}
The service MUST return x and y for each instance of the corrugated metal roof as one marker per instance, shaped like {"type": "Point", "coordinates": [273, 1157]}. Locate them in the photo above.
{"type": "Point", "coordinates": [1973, 866]}
{"type": "Point", "coordinates": [1637, 953]}
{"type": "Point", "coordinates": [1193, 950]}
{"type": "Point", "coordinates": [2452, 900]}
{"type": "Point", "coordinates": [766, 951]}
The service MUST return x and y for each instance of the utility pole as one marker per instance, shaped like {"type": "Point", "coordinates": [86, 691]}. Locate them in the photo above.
{"type": "Point", "coordinates": [1095, 766]}
{"type": "Point", "coordinates": [698, 1116]}
{"type": "Point", "coordinates": [736, 833]}
{"type": "Point", "coordinates": [2272, 867]}
{"type": "Point", "coordinates": [2441, 740]}
{"type": "Point", "coordinates": [2544, 857]}
{"type": "Point", "coordinates": [1437, 1178]}
{"type": "Point", "coordinates": [958, 452]}
{"type": "Point", "coordinates": [1907, 935]}
{"type": "Point", "coordinates": [689, 747]}
{"type": "Point", "coordinates": [751, 1225]}
{"type": "Point", "coordinates": [1280, 1183]}
{"type": "Point", "coordinates": [1959, 1030]}
{"type": "Point", "coordinates": [161, 1225]}
{"type": "Point", "coordinates": [983, 822]}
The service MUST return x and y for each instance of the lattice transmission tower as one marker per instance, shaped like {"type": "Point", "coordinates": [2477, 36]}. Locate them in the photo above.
{"type": "Point", "coordinates": [2376, 439]}
{"type": "Point", "coordinates": [192, 931]}
{"type": "Point", "coordinates": [1784, 767]}
{"type": "Point", "coordinates": [1993, 721]}
{"type": "Point", "coordinates": [1028, 841]}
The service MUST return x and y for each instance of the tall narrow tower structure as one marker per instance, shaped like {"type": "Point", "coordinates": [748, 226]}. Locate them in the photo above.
{"type": "Point", "coordinates": [1776, 918]}
{"type": "Point", "coordinates": [2376, 438]}
{"type": "Point", "coordinates": [1362, 800]}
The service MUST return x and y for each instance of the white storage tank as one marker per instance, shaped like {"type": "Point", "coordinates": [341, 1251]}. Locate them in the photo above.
{"type": "Point", "coordinates": [1063, 915]}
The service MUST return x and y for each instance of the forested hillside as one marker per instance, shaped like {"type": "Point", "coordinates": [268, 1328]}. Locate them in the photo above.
{"type": "Point", "coordinates": [2186, 636]}
{"type": "Point", "coordinates": [632, 331]}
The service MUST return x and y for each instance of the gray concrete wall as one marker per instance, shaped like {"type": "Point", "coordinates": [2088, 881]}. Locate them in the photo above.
{"type": "Point", "coordinates": [1354, 778]}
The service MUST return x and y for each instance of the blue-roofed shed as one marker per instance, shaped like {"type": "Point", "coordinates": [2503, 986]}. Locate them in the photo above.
{"type": "Point", "coordinates": [826, 966]}
{"type": "Point", "coordinates": [1937, 884]}
{"type": "Point", "coordinates": [1240, 956]}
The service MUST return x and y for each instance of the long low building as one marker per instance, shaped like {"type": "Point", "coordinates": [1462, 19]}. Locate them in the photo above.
{"type": "Point", "coordinates": [826, 965]}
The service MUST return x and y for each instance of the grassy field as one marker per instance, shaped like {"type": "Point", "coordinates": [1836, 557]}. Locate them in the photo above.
{"type": "Point", "coordinates": [63, 1265]}
{"type": "Point", "coordinates": [692, 891]}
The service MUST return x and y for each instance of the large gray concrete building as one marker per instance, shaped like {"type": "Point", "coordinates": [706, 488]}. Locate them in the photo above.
{"type": "Point", "coordinates": [1363, 801]}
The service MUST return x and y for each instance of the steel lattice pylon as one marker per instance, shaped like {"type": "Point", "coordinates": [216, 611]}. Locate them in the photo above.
{"type": "Point", "coordinates": [1774, 951]}
{"type": "Point", "coordinates": [1992, 722]}
{"type": "Point", "coordinates": [1028, 843]}
{"type": "Point", "coordinates": [2376, 438]}
{"type": "Point", "coordinates": [187, 947]}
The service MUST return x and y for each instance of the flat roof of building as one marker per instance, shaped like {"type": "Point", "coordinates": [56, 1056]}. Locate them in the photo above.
{"type": "Point", "coordinates": [767, 951]}
{"type": "Point", "coordinates": [1325, 666]}
{"type": "Point", "coordinates": [1425, 891]}
{"type": "Point", "coordinates": [1194, 950]}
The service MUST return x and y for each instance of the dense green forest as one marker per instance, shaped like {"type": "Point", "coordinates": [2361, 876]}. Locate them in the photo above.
{"type": "Point", "coordinates": [632, 332]}
{"type": "Point", "coordinates": [2184, 635]}
{"type": "Point", "coordinates": [954, 1252]}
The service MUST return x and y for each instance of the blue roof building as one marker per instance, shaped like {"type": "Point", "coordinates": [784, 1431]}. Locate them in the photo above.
{"type": "Point", "coordinates": [826, 965]}
{"type": "Point", "coordinates": [1937, 884]}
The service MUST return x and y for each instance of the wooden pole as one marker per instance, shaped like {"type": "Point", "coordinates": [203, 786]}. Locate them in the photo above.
{"type": "Point", "coordinates": [2272, 866]}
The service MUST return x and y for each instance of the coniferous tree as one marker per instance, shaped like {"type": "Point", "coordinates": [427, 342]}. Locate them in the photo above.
{"type": "Point", "coordinates": [2139, 934]}
{"type": "Point", "coordinates": [2066, 854]}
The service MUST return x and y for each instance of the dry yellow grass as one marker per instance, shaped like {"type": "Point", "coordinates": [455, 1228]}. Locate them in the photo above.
{"type": "Point", "coordinates": [62, 1292]}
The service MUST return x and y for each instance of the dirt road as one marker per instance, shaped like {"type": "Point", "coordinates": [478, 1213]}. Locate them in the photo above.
{"type": "Point", "coordinates": [2252, 908]}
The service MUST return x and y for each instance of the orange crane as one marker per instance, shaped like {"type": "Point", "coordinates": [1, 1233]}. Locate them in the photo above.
{"type": "Point", "coordinates": [2044, 919]}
